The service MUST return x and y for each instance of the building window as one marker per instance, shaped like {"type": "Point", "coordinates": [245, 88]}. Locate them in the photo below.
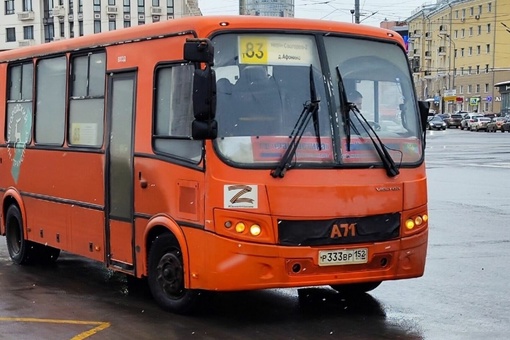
{"type": "Point", "coordinates": [477, 69]}
{"type": "Point", "coordinates": [97, 26]}
{"type": "Point", "coordinates": [479, 29]}
{"type": "Point", "coordinates": [477, 88]}
{"type": "Point", "coordinates": [488, 48]}
{"type": "Point", "coordinates": [127, 23]}
{"type": "Point", "coordinates": [478, 49]}
{"type": "Point", "coordinates": [471, 11]}
{"type": "Point", "coordinates": [71, 6]}
{"type": "Point", "coordinates": [486, 68]}
{"type": "Point", "coordinates": [97, 5]}
{"type": "Point", "coordinates": [71, 30]}
{"type": "Point", "coordinates": [479, 9]}
{"type": "Point", "coordinates": [470, 51]}
{"type": "Point", "coordinates": [80, 28]}
{"type": "Point", "coordinates": [62, 32]}
{"type": "Point", "coordinates": [49, 32]}
{"type": "Point", "coordinates": [112, 25]}
{"type": "Point", "coordinates": [141, 6]}
{"type": "Point", "coordinates": [155, 3]}
{"type": "Point", "coordinates": [463, 33]}
{"type": "Point", "coordinates": [10, 34]}
{"type": "Point", "coordinates": [127, 6]}
{"type": "Point", "coordinates": [27, 6]}
{"type": "Point", "coordinates": [80, 6]}
{"type": "Point", "coordinates": [462, 52]}
{"type": "Point", "coordinates": [170, 6]}
{"type": "Point", "coordinates": [488, 28]}
{"type": "Point", "coordinates": [486, 88]}
{"type": "Point", "coordinates": [28, 32]}
{"type": "Point", "coordinates": [470, 70]}
{"type": "Point", "coordinates": [9, 7]}
{"type": "Point", "coordinates": [489, 7]}
{"type": "Point", "coordinates": [111, 2]}
{"type": "Point", "coordinates": [471, 31]}
{"type": "Point", "coordinates": [469, 88]}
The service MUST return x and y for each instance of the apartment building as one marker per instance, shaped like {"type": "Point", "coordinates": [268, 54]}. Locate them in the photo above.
{"type": "Point", "coordinates": [459, 54]}
{"type": "Point", "coordinates": [268, 8]}
{"type": "Point", "coordinates": [30, 22]}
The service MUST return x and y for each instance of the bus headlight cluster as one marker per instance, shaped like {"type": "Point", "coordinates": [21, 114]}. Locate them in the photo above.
{"type": "Point", "coordinates": [416, 221]}
{"type": "Point", "coordinates": [241, 227]}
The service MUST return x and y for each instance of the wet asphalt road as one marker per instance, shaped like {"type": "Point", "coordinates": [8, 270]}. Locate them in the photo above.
{"type": "Point", "coordinates": [464, 293]}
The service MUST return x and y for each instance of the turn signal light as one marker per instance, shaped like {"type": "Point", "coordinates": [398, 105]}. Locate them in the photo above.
{"type": "Point", "coordinates": [240, 227]}
{"type": "Point", "coordinates": [410, 224]}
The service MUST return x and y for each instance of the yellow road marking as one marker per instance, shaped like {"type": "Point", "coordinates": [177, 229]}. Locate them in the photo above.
{"type": "Point", "coordinates": [99, 325]}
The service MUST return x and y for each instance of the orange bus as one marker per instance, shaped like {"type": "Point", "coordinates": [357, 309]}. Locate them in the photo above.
{"type": "Point", "coordinates": [218, 154]}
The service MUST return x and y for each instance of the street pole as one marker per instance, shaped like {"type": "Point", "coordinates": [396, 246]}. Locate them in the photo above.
{"type": "Point", "coordinates": [356, 11]}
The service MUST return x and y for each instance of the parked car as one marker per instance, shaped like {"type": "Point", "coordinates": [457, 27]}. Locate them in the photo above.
{"type": "Point", "coordinates": [496, 124]}
{"type": "Point", "coordinates": [436, 123]}
{"type": "Point", "coordinates": [479, 123]}
{"type": "Point", "coordinates": [454, 120]}
{"type": "Point", "coordinates": [467, 118]}
{"type": "Point", "coordinates": [506, 126]}
{"type": "Point", "coordinates": [443, 116]}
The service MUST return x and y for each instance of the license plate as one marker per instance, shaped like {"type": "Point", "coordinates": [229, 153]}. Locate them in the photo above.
{"type": "Point", "coordinates": [343, 257]}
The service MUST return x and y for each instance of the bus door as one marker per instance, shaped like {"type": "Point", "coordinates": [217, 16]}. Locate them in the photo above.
{"type": "Point", "coordinates": [119, 171]}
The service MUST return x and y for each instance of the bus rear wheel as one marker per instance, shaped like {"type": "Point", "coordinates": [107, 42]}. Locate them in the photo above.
{"type": "Point", "coordinates": [20, 250]}
{"type": "Point", "coordinates": [356, 288]}
{"type": "Point", "coordinates": [166, 277]}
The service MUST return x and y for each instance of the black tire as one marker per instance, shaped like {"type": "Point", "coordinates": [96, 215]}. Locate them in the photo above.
{"type": "Point", "coordinates": [356, 288]}
{"type": "Point", "coordinates": [166, 277]}
{"type": "Point", "coordinates": [20, 250]}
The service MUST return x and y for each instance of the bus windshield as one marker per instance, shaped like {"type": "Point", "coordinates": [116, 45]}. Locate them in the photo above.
{"type": "Point", "coordinates": [264, 84]}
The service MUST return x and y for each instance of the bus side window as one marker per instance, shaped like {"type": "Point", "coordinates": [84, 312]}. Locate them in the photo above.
{"type": "Point", "coordinates": [174, 113]}
{"type": "Point", "coordinates": [86, 103]}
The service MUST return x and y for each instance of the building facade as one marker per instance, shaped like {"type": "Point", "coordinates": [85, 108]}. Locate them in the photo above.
{"type": "Point", "coordinates": [268, 8]}
{"type": "Point", "coordinates": [30, 22]}
{"type": "Point", "coordinates": [459, 51]}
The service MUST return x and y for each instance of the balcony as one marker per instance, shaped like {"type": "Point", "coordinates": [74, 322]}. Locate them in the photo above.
{"type": "Point", "coordinates": [27, 42]}
{"type": "Point", "coordinates": [156, 11]}
{"type": "Point", "coordinates": [58, 12]}
{"type": "Point", "coordinates": [26, 15]}
{"type": "Point", "coordinates": [111, 10]}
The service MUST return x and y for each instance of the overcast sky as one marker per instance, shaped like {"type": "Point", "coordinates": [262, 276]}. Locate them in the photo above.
{"type": "Point", "coordinates": [372, 11]}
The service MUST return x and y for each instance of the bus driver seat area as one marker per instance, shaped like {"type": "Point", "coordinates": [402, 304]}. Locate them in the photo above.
{"type": "Point", "coordinates": [256, 104]}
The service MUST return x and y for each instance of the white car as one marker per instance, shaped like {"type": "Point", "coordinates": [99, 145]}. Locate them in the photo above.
{"type": "Point", "coordinates": [479, 123]}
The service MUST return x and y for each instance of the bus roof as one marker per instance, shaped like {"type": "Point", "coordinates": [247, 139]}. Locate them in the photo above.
{"type": "Point", "coordinates": [202, 26]}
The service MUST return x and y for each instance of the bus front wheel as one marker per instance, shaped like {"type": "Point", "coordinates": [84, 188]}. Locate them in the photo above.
{"type": "Point", "coordinates": [166, 277]}
{"type": "Point", "coordinates": [356, 288]}
{"type": "Point", "coordinates": [20, 250]}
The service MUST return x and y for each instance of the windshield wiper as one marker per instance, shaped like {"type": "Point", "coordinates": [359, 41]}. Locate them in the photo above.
{"type": "Point", "coordinates": [380, 148]}
{"type": "Point", "coordinates": [346, 107]}
{"type": "Point", "coordinates": [310, 111]}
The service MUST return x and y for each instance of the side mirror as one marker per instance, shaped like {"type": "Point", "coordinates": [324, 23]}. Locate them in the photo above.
{"type": "Point", "coordinates": [201, 51]}
{"type": "Point", "coordinates": [424, 113]}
